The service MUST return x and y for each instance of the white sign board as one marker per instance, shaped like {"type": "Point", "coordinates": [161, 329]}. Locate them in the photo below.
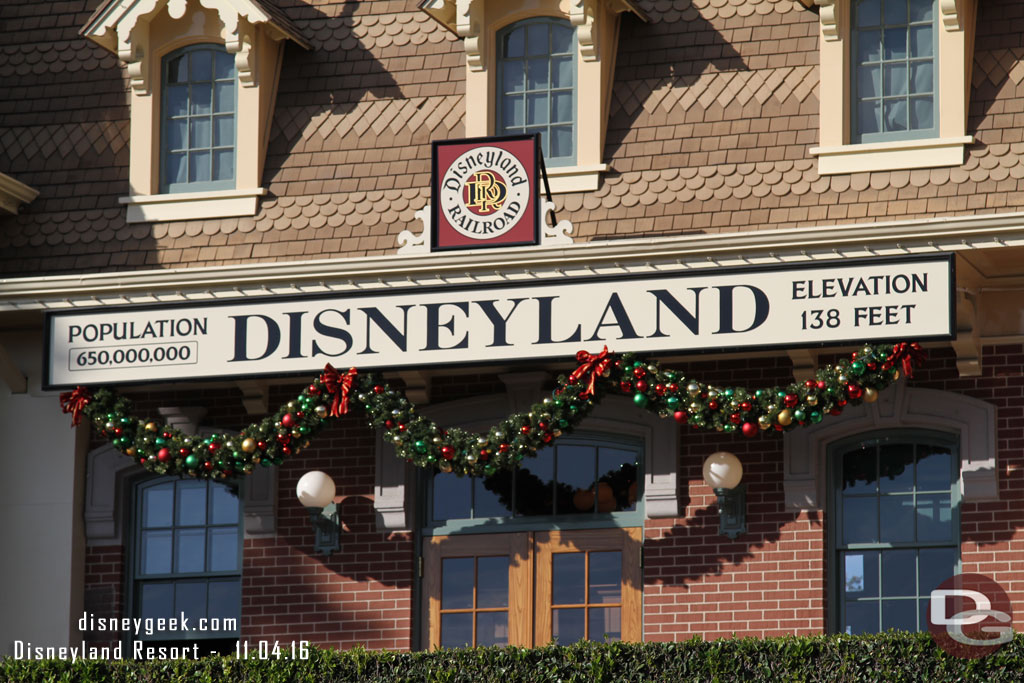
{"type": "Point", "coordinates": [806, 305]}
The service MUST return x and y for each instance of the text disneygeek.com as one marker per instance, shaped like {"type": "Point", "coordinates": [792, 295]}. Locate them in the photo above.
{"type": "Point", "coordinates": [191, 631]}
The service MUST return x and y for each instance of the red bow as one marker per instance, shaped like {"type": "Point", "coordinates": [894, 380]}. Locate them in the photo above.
{"type": "Point", "coordinates": [74, 402]}
{"type": "Point", "coordinates": [909, 354]}
{"type": "Point", "coordinates": [339, 386]}
{"type": "Point", "coordinates": [592, 366]}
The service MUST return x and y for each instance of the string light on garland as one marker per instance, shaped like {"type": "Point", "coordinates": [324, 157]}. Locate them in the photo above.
{"type": "Point", "coordinates": [166, 450]}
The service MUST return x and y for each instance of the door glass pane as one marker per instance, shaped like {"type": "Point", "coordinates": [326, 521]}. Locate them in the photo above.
{"type": "Point", "coordinates": [158, 505]}
{"type": "Point", "coordinates": [568, 579]}
{"type": "Point", "coordinates": [897, 518]}
{"type": "Point", "coordinates": [189, 550]}
{"type": "Point", "coordinates": [457, 629]}
{"type": "Point", "coordinates": [605, 623]}
{"type": "Point", "coordinates": [492, 582]}
{"type": "Point", "coordinates": [934, 467]}
{"type": "Point", "coordinates": [861, 617]}
{"type": "Point", "coordinates": [860, 520]}
{"type": "Point", "coordinates": [899, 614]}
{"type": "Point", "coordinates": [190, 598]}
{"type": "Point", "coordinates": [934, 518]}
{"type": "Point", "coordinates": [451, 497]}
{"type": "Point", "coordinates": [492, 628]}
{"type": "Point", "coordinates": [899, 573]}
{"type": "Point", "coordinates": [567, 625]}
{"type": "Point", "coordinates": [605, 577]}
{"type": "Point", "coordinates": [457, 583]}
{"type": "Point", "coordinates": [225, 599]}
{"type": "Point", "coordinates": [223, 550]}
{"type": "Point", "coordinates": [156, 552]}
{"type": "Point", "coordinates": [191, 503]}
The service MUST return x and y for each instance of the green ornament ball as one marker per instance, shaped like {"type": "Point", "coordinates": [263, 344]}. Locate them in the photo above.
{"type": "Point", "coordinates": [191, 460]}
{"type": "Point", "coordinates": [799, 415]}
{"type": "Point", "coordinates": [640, 399]}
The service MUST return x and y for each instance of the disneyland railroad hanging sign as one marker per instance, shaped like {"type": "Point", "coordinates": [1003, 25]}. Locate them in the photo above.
{"type": "Point", "coordinates": [485, 192]}
{"type": "Point", "coordinates": [831, 303]}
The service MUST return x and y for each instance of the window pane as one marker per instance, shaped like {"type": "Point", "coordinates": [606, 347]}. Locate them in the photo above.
{"type": "Point", "coordinates": [191, 503]}
{"type": "Point", "coordinates": [200, 98]}
{"type": "Point", "coordinates": [451, 497]}
{"type": "Point", "coordinates": [457, 583]}
{"type": "Point", "coordinates": [223, 504]}
{"type": "Point", "coordinates": [199, 132]}
{"type": "Point", "coordinates": [860, 520]}
{"type": "Point", "coordinates": [921, 113]}
{"type": "Point", "coordinates": [900, 615]}
{"type": "Point", "coordinates": [895, 12]}
{"type": "Point", "coordinates": [568, 579]}
{"type": "Point", "coordinates": [177, 168]}
{"type": "Point", "coordinates": [177, 100]}
{"type": "Point", "coordinates": [605, 624]}
{"type": "Point", "coordinates": [156, 600]}
{"type": "Point", "coordinates": [899, 573]}
{"type": "Point", "coordinates": [921, 78]}
{"type": "Point", "coordinates": [512, 112]}
{"type": "Point", "coordinates": [894, 114]}
{"type": "Point", "coordinates": [537, 74]}
{"type": "Point", "coordinates": [897, 518]}
{"type": "Point", "coordinates": [859, 471]}
{"type": "Point", "coordinates": [457, 630]}
{"type": "Point", "coordinates": [189, 550]}
{"type": "Point", "coordinates": [567, 625]}
{"type": "Point", "coordinates": [534, 486]}
{"type": "Point", "coordinates": [537, 39]}
{"type": "Point", "coordinates": [223, 550]}
{"type": "Point", "coordinates": [576, 466]}
{"type": "Point", "coordinates": [896, 468]}
{"type": "Point", "coordinates": [224, 97]}
{"type": "Point", "coordinates": [869, 46]}
{"type": "Point", "coordinates": [561, 107]}
{"type": "Point", "coordinates": [202, 65]}
{"type": "Point", "coordinates": [224, 65]}
{"type": "Point", "coordinates": [156, 552]}
{"type": "Point", "coordinates": [561, 72]}
{"type": "Point", "coordinates": [934, 467]}
{"type": "Point", "coordinates": [492, 582]}
{"type": "Point", "coordinates": [158, 505]}
{"type": "Point", "coordinates": [605, 577]}
{"type": "Point", "coordinates": [895, 79]}
{"type": "Point", "coordinates": [513, 43]}
{"type": "Point", "coordinates": [921, 41]}
{"type": "Point", "coordinates": [921, 10]}
{"type": "Point", "coordinates": [488, 503]}
{"type": "Point", "coordinates": [869, 81]}
{"type": "Point", "coordinates": [492, 628]}
{"type": "Point", "coordinates": [869, 116]}
{"type": "Point", "coordinates": [617, 467]}
{"type": "Point", "coordinates": [934, 518]}
{"type": "Point", "coordinates": [512, 76]}
{"type": "Point", "coordinates": [561, 39]}
{"type": "Point", "coordinates": [224, 164]}
{"type": "Point", "coordinates": [860, 574]}
{"type": "Point", "coordinates": [861, 617]}
{"type": "Point", "coordinates": [935, 566]}
{"type": "Point", "coordinates": [224, 131]}
{"type": "Point", "coordinates": [177, 131]}
{"type": "Point", "coordinates": [198, 167]}
{"type": "Point", "coordinates": [225, 599]}
{"type": "Point", "coordinates": [868, 13]}
{"type": "Point", "coordinates": [190, 598]}
{"type": "Point", "coordinates": [895, 40]}
{"type": "Point", "coordinates": [177, 69]}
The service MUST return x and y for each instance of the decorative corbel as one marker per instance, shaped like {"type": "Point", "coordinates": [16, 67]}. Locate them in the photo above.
{"type": "Point", "coordinates": [255, 396]}
{"type": "Point", "coordinates": [131, 49]}
{"type": "Point", "coordinates": [468, 23]}
{"type": "Point", "coordinates": [828, 15]}
{"type": "Point", "coordinates": [805, 362]}
{"type": "Point", "coordinates": [240, 44]}
{"type": "Point", "coordinates": [967, 344]}
{"type": "Point", "coordinates": [417, 386]}
{"type": "Point", "coordinates": [949, 13]}
{"type": "Point", "coordinates": [583, 16]}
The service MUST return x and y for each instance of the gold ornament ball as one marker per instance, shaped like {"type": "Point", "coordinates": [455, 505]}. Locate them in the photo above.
{"type": "Point", "coordinates": [764, 422]}
{"type": "Point", "coordinates": [249, 445]}
{"type": "Point", "coordinates": [812, 399]}
{"type": "Point", "coordinates": [471, 458]}
{"type": "Point", "coordinates": [130, 450]}
{"type": "Point", "coordinates": [445, 466]}
{"type": "Point", "coordinates": [895, 375]}
{"type": "Point", "coordinates": [870, 395]}
{"type": "Point", "coordinates": [785, 418]}
{"type": "Point", "coordinates": [693, 389]}
{"type": "Point", "coordinates": [321, 411]}
{"type": "Point", "coordinates": [151, 427]}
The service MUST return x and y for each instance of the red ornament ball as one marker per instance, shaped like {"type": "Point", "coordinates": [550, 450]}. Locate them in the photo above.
{"type": "Point", "coordinates": [389, 423]}
{"type": "Point", "coordinates": [745, 406]}
{"type": "Point", "coordinates": [713, 404]}
{"type": "Point", "coordinates": [378, 389]}
{"type": "Point", "coordinates": [626, 387]}
{"type": "Point", "coordinates": [809, 384]}
{"type": "Point", "coordinates": [659, 389]}
{"type": "Point", "coordinates": [790, 400]}
{"type": "Point", "coordinates": [503, 448]}
{"type": "Point", "coordinates": [447, 452]}
{"type": "Point", "coordinates": [288, 420]}
{"type": "Point", "coordinates": [547, 437]}
{"type": "Point", "coordinates": [673, 388]}
{"type": "Point", "coordinates": [213, 447]}
{"type": "Point", "coordinates": [680, 416]}
{"type": "Point", "coordinates": [261, 445]}
{"type": "Point", "coordinates": [821, 384]}
{"type": "Point", "coordinates": [854, 390]}
{"type": "Point", "coordinates": [313, 390]}
{"type": "Point", "coordinates": [749, 429]}
{"type": "Point", "coordinates": [163, 455]}
{"type": "Point", "coordinates": [735, 418]}
{"type": "Point", "coordinates": [639, 372]}
{"type": "Point", "coordinates": [207, 465]}
{"type": "Point", "coordinates": [641, 385]}
{"type": "Point", "coordinates": [525, 429]}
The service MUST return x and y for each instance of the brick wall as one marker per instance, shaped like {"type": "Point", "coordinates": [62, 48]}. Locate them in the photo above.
{"type": "Point", "coordinates": [104, 589]}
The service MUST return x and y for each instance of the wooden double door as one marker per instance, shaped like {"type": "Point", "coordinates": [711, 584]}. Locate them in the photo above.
{"type": "Point", "coordinates": [533, 587]}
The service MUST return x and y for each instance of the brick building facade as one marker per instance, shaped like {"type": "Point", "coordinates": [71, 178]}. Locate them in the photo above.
{"type": "Point", "coordinates": [703, 135]}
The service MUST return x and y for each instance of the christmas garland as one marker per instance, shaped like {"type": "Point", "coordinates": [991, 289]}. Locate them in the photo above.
{"type": "Point", "coordinates": [166, 450]}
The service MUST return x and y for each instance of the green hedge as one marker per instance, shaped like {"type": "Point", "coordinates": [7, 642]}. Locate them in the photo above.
{"type": "Point", "coordinates": [886, 657]}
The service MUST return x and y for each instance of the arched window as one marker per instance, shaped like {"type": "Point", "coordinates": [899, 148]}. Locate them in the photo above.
{"type": "Point", "coordinates": [894, 526]}
{"type": "Point", "coordinates": [537, 85]}
{"type": "Point", "coordinates": [198, 116]}
{"type": "Point", "coordinates": [187, 559]}
{"type": "Point", "coordinates": [894, 79]}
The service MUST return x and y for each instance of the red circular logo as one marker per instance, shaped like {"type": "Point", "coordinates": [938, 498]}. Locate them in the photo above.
{"type": "Point", "coordinates": [970, 615]}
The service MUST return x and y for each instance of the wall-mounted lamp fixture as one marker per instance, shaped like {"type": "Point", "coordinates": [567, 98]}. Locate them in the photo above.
{"type": "Point", "coordinates": [316, 491]}
{"type": "Point", "coordinates": [723, 472]}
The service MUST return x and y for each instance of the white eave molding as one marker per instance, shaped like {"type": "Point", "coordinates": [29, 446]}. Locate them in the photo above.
{"type": "Point", "coordinates": [14, 193]}
{"type": "Point", "coordinates": [641, 255]}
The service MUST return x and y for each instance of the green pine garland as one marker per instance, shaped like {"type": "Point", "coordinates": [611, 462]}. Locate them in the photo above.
{"type": "Point", "coordinates": [166, 450]}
